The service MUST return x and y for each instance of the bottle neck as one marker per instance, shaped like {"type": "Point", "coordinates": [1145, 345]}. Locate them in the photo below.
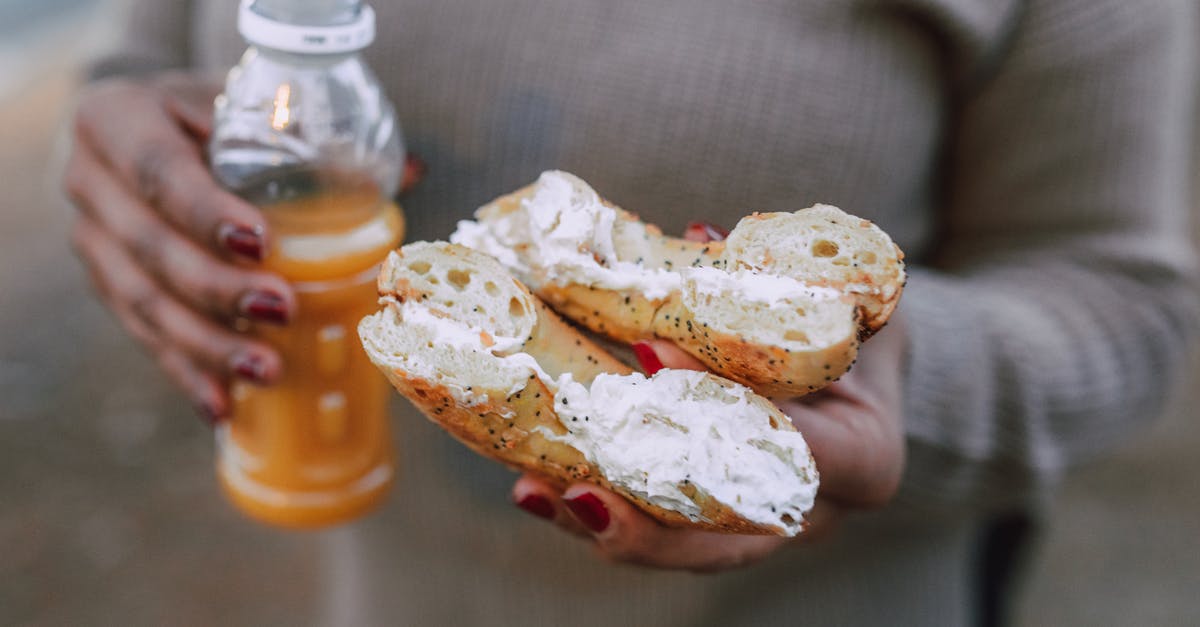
{"type": "Point", "coordinates": [307, 26]}
{"type": "Point", "coordinates": [309, 12]}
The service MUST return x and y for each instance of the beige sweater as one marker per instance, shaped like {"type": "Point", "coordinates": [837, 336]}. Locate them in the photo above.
{"type": "Point", "coordinates": [1031, 156]}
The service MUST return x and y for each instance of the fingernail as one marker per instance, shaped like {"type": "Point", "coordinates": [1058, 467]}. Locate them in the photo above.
{"type": "Point", "coordinates": [250, 367]}
{"type": "Point", "coordinates": [590, 511]}
{"type": "Point", "coordinates": [537, 505]}
{"type": "Point", "coordinates": [647, 357]}
{"type": "Point", "coordinates": [704, 232]}
{"type": "Point", "coordinates": [414, 171]}
{"type": "Point", "coordinates": [264, 306]}
{"type": "Point", "coordinates": [208, 413]}
{"type": "Point", "coordinates": [242, 240]}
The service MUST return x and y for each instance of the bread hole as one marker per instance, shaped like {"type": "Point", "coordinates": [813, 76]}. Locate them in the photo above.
{"type": "Point", "coordinates": [824, 248]}
{"type": "Point", "coordinates": [448, 303]}
{"type": "Point", "coordinates": [458, 278]}
{"type": "Point", "coordinates": [787, 519]}
{"type": "Point", "coordinates": [841, 261]}
{"type": "Point", "coordinates": [420, 267]}
{"type": "Point", "coordinates": [865, 256]}
{"type": "Point", "coordinates": [515, 308]}
{"type": "Point", "coordinates": [491, 289]}
{"type": "Point", "coordinates": [795, 335]}
{"type": "Point", "coordinates": [801, 312]}
{"type": "Point", "coordinates": [433, 280]}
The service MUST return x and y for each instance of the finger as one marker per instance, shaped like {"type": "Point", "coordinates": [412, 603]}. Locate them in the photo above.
{"type": "Point", "coordinates": [211, 347]}
{"type": "Point", "coordinates": [704, 232]}
{"type": "Point", "coordinates": [204, 389]}
{"type": "Point", "coordinates": [856, 449]}
{"type": "Point", "coordinates": [414, 171]}
{"type": "Point", "coordinates": [190, 102]}
{"type": "Point", "coordinates": [855, 429]}
{"type": "Point", "coordinates": [654, 355]}
{"type": "Point", "coordinates": [83, 232]}
{"type": "Point", "coordinates": [822, 520]}
{"type": "Point", "coordinates": [623, 533]}
{"type": "Point", "coordinates": [543, 500]}
{"type": "Point", "coordinates": [131, 131]}
{"type": "Point", "coordinates": [189, 271]}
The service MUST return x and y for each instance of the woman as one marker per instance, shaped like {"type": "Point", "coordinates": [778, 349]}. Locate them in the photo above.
{"type": "Point", "coordinates": [1030, 156]}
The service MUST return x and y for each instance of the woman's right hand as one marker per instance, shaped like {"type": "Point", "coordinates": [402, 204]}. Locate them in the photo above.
{"type": "Point", "coordinates": [170, 252]}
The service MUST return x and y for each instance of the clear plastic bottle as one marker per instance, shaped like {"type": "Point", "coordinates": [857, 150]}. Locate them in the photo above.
{"type": "Point", "coordinates": [304, 131]}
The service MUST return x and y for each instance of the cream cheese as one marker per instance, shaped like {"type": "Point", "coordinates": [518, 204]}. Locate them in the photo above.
{"type": "Point", "coordinates": [752, 286]}
{"type": "Point", "coordinates": [563, 234]}
{"type": "Point", "coordinates": [652, 436]}
{"type": "Point", "coordinates": [434, 333]}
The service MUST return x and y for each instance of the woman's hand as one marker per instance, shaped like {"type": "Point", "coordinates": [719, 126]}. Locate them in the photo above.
{"type": "Point", "coordinates": [170, 252]}
{"type": "Point", "coordinates": [855, 432]}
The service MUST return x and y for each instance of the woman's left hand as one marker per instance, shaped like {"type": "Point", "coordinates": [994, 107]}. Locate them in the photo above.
{"type": "Point", "coordinates": [853, 428]}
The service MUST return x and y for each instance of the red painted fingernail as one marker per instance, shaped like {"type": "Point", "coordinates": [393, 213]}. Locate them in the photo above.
{"type": "Point", "coordinates": [590, 511]}
{"type": "Point", "coordinates": [242, 240]}
{"type": "Point", "coordinates": [704, 232]}
{"type": "Point", "coordinates": [414, 171]}
{"type": "Point", "coordinates": [250, 367]}
{"type": "Point", "coordinates": [264, 306]}
{"type": "Point", "coordinates": [537, 505]}
{"type": "Point", "coordinates": [647, 357]}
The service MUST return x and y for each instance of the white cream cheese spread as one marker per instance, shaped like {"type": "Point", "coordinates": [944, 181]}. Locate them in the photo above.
{"type": "Point", "coordinates": [563, 233]}
{"type": "Point", "coordinates": [419, 333]}
{"type": "Point", "coordinates": [757, 287]}
{"type": "Point", "coordinates": [656, 436]}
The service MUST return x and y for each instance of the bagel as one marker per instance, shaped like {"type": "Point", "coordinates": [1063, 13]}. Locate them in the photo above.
{"type": "Point", "coordinates": [482, 357]}
{"type": "Point", "coordinates": [781, 305]}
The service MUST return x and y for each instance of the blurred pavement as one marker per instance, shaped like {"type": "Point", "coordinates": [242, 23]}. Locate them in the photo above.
{"type": "Point", "coordinates": [109, 513]}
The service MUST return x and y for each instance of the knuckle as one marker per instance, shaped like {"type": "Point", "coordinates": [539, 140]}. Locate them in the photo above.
{"type": "Point", "coordinates": [202, 213]}
{"type": "Point", "coordinates": [75, 182]}
{"type": "Point", "coordinates": [631, 550]}
{"type": "Point", "coordinates": [220, 292]}
{"type": "Point", "coordinates": [146, 306]}
{"type": "Point", "coordinates": [99, 98]}
{"type": "Point", "coordinates": [154, 170]}
{"type": "Point", "coordinates": [147, 245]}
{"type": "Point", "coordinates": [150, 167]}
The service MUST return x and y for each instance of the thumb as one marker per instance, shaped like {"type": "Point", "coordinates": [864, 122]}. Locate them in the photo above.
{"type": "Point", "coordinates": [654, 355]}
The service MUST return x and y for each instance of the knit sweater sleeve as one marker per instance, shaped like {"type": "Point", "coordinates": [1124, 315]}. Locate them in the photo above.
{"type": "Point", "coordinates": [1053, 319]}
{"type": "Point", "coordinates": [154, 36]}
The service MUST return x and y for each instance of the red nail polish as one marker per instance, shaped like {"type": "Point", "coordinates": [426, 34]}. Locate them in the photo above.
{"type": "Point", "coordinates": [704, 232]}
{"type": "Point", "coordinates": [414, 171]}
{"type": "Point", "coordinates": [242, 240]}
{"type": "Point", "coordinates": [264, 306]}
{"type": "Point", "coordinates": [590, 511]}
{"type": "Point", "coordinates": [537, 505]}
{"type": "Point", "coordinates": [250, 367]}
{"type": "Point", "coordinates": [647, 357]}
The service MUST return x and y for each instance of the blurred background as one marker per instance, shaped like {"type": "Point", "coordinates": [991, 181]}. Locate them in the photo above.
{"type": "Point", "coordinates": [109, 511]}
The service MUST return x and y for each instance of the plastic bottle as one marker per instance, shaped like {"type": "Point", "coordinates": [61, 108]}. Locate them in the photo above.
{"type": "Point", "coordinates": [304, 131]}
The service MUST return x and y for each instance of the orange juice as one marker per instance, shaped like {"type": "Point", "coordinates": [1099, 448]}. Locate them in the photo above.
{"type": "Point", "coordinates": [315, 449]}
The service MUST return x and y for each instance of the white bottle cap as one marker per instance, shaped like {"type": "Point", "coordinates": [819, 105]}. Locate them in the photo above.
{"type": "Point", "coordinates": [262, 31]}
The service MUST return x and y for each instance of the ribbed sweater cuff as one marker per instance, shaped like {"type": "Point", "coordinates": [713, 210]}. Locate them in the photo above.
{"type": "Point", "coordinates": [949, 416]}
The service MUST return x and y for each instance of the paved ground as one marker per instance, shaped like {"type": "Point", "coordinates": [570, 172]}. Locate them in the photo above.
{"type": "Point", "coordinates": [109, 513]}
